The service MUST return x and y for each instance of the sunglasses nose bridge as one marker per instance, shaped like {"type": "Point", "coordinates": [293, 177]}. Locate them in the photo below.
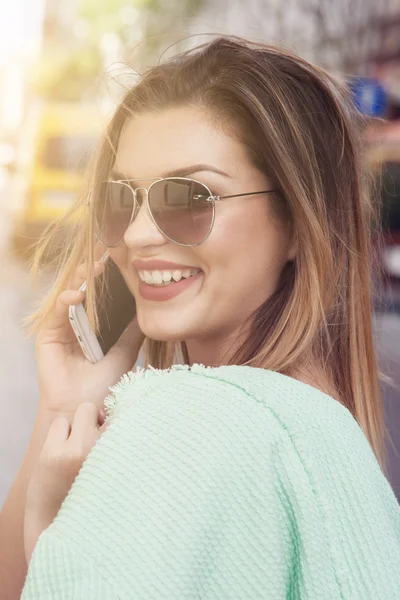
{"type": "Point", "coordinates": [136, 190]}
{"type": "Point", "coordinates": [141, 193]}
{"type": "Point", "coordinates": [138, 194]}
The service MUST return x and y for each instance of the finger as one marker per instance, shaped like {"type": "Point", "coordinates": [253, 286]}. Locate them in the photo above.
{"type": "Point", "coordinates": [129, 343]}
{"type": "Point", "coordinates": [58, 318]}
{"type": "Point", "coordinates": [85, 420]}
{"type": "Point", "coordinates": [70, 297]}
{"type": "Point", "coordinates": [102, 416]}
{"type": "Point", "coordinates": [58, 432]}
{"type": "Point", "coordinates": [78, 277]}
{"type": "Point", "coordinates": [80, 274]}
{"type": "Point", "coordinates": [99, 251]}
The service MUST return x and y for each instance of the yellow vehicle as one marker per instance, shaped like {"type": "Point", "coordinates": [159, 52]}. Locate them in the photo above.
{"type": "Point", "coordinates": [65, 138]}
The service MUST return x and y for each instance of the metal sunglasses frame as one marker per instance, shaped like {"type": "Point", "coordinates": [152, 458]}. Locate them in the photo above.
{"type": "Point", "coordinates": [212, 199]}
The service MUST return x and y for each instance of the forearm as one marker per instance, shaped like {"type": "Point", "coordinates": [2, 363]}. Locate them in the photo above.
{"type": "Point", "coordinates": [33, 528]}
{"type": "Point", "coordinates": [13, 566]}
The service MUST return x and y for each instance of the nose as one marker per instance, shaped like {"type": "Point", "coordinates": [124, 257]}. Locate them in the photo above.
{"type": "Point", "coordinates": [143, 231]}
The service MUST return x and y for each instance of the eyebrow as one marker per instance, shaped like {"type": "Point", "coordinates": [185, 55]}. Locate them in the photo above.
{"type": "Point", "coordinates": [182, 172]}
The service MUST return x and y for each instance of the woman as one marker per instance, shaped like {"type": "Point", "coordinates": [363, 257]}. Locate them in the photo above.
{"type": "Point", "coordinates": [276, 260]}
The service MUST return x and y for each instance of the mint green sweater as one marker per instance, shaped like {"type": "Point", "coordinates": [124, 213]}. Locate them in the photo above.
{"type": "Point", "coordinates": [223, 483]}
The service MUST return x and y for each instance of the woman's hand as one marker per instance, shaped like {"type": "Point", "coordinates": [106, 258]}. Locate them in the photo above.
{"type": "Point", "coordinates": [66, 377]}
{"type": "Point", "coordinates": [62, 455]}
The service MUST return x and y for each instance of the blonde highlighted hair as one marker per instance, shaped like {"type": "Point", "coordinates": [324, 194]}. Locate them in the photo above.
{"type": "Point", "coordinates": [299, 128]}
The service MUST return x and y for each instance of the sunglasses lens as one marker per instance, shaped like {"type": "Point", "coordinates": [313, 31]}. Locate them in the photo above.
{"type": "Point", "coordinates": [114, 209]}
{"type": "Point", "coordinates": [181, 209]}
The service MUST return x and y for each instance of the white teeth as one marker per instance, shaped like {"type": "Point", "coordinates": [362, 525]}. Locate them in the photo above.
{"type": "Point", "coordinates": [157, 277]}
{"type": "Point", "coordinates": [147, 277]}
{"type": "Point", "coordinates": [166, 277]}
{"type": "Point", "coordinates": [177, 275]}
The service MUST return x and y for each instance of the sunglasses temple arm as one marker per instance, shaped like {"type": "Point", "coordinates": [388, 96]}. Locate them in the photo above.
{"type": "Point", "coordinates": [247, 194]}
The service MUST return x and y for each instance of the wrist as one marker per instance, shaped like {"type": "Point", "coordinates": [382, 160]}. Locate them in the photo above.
{"type": "Point", "coordinates": [33, 528]}
{"type": "Point", "coordinates": [49, 413]}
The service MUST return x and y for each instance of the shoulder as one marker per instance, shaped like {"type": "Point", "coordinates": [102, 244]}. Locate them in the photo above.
{"type": "Point", "coordinates": [235, 404]}
{"type": "Point", "coordinates": [278, 396]}
{"type": "Point", "coordinates": [241, 403]}
{"type": "Point", "coordinates": [250, 469]}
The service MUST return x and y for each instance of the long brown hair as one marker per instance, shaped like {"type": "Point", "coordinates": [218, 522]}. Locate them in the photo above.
{"type": "Point", "coordinates": [299, 128]}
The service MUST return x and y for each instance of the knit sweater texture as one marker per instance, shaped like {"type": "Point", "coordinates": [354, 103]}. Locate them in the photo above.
{"type": "Point", "coordinates": [228, 483]}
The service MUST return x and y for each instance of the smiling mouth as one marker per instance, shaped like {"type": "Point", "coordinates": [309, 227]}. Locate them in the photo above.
{"type": "Point", "coordinates": [167, 290]}
{"type": "Point", "coordinates": [167, 277]}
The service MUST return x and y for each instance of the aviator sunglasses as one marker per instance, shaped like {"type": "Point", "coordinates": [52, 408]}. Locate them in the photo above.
{"type": "Point", "coordinates": [182, 209]}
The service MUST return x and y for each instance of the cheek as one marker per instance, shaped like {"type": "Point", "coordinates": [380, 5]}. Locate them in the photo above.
{"type": "Point", "coordinates": [245, 231]}
{"type": "Point", "coordinates": [246, 248]}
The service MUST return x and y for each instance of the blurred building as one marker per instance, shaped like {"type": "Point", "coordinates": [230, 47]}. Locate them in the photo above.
{"type": "Point", "coordinates": [343, 35]}
{"type": "Point", "coordinates": [387, 60]}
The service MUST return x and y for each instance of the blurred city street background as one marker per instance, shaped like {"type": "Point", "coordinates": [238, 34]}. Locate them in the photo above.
{"type": "Point", "coordinates": [64, 67]}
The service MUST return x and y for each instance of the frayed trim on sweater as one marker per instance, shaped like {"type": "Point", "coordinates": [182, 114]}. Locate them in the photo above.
{"type": "Point", "coordinates": [124, 384]}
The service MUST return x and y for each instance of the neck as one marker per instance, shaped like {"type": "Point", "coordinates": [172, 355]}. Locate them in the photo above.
{"type": "Point", "coordinates": [213, 351]}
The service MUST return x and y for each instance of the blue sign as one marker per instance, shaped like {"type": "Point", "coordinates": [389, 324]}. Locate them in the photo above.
{"type": "Point", "coordinates": [369, 96]}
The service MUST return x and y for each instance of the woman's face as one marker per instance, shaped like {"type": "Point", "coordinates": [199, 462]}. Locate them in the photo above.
{"type": "Point", "coordinates": [241, 260]}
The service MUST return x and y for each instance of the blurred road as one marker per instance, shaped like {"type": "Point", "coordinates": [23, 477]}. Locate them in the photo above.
{"type": "Point", "coordinates": [19, 388]}
{"type": "Point", "coordinates": [18, 383]}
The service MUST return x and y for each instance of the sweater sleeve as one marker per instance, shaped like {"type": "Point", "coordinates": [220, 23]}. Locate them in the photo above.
{"type": "Point", "coordinates": [345, 517]}
{"type": "Point", "coordinates": [203, 490]}
{"type": "Point", "coordinates": [61, 572]}
{"type": "Point", "coordinates": [177, 500]}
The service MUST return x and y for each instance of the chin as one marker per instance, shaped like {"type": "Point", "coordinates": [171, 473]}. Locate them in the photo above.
{"type": "Point", "coordinates": [160, 330]}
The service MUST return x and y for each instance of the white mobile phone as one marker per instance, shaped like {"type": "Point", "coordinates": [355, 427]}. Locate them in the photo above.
{"type": "Point", "coordinates": [116, 308]}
